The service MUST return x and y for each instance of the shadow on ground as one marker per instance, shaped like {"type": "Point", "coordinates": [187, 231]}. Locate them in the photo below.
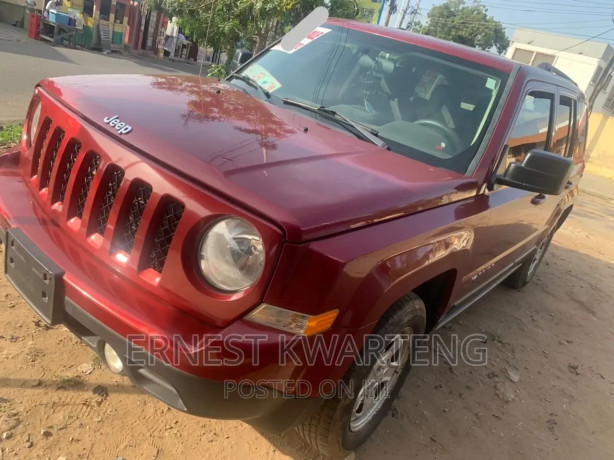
{"type": "Point", "coordinates": [34, 49]}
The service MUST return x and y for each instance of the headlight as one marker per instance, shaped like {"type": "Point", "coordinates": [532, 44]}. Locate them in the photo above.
{"type": "Point", "coordinates": [231, 255]}
{"type": "Point", "coordinates": [34, 121]}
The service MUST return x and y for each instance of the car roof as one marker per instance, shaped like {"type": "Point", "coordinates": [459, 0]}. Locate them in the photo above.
{"type": "Point", "coordinates": [538, 73]}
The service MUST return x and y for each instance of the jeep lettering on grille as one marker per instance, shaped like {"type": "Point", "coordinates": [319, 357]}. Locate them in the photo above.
{"type": "Point", "coordinates": [120, 126]}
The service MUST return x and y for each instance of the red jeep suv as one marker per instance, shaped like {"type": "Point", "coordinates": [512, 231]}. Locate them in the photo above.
{"type": "Point", "coordinates": [368, 183]}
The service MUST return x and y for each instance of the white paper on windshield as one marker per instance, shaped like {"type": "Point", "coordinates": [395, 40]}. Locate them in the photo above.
{"type": "Point", "coordinates": [312, 36]}
{"type": "Point", "coordinates": [263, 77]}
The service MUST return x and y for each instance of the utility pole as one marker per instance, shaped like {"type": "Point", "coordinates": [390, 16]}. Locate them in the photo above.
{"type": "Point", "coordinates": [412, 18]}
{"type": "Point", "coordinates": [601, 81]}
{"type": "Point", "coordinates": [404, 9]}
{"type": "Point", "coordinates": [392, 8]}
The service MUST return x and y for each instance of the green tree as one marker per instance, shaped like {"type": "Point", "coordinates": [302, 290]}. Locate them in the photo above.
{"type": "Point", "coordinates": [466, 24]}
{"type": "Point", "coordinates": [222, 24]}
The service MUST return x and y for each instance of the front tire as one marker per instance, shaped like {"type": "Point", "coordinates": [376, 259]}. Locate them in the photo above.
{"type": "Point", "coordinates": [344, 423]}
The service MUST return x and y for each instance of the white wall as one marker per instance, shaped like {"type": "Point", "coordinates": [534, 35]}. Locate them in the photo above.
{"type": "Point", "coordinates": [579, 68]}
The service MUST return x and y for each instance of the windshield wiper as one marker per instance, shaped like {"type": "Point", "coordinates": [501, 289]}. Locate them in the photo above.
{"type": "Point", "coordinates": [364, 132]}
{"type": "Point", "coordinates": [251, 82]}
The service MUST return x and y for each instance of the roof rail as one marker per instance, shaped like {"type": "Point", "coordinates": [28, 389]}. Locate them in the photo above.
{"type": "Point", "coordinates": [550, 68]}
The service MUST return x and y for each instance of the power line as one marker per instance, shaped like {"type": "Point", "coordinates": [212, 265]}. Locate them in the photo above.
{"type": "Point", "coordinates": [593, 3]}
{"type": "Point", "coordinates": [584, 41]}
{"type": "Point", "coordinates": [517, 24]}
{"type": "Point", "coordinates": [523, 3]}
{"type": "Point", "coordinates": [528, 10]}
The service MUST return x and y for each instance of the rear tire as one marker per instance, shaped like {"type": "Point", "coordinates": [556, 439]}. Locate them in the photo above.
{"type": "Point", "coordinates": [344, 423]}
{"type": "Point", "coordinates": [522, 276]}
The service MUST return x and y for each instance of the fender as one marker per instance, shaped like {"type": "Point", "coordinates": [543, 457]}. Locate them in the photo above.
{"type": "Point", "coordinates": [363, 273]}
{"type": "Point", "coordinates": [402, 273]}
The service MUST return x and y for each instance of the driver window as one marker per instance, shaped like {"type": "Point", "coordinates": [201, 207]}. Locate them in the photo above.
{"type": "Point", "coordinates": [531, 128]}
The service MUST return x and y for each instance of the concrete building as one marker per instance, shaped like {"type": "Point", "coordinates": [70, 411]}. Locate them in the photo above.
{"type": "Point", "coordinates": [583, 62]}
{"type": "Point", "coordinates": [14, 11]}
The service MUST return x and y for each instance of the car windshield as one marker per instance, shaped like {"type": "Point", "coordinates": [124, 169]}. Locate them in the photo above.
{"type": "Point", "coordinates": [423, 104]}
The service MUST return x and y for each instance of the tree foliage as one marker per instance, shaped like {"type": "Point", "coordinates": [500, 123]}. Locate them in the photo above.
{"type": "Point", "coordinates": [466, 24]}
{"type": "Point", "coordinates": [223, 24]}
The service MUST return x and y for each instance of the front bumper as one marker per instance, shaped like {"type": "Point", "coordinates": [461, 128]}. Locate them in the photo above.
{"type": "Point", "coordinates": [270, 411]}
{"type": "Point", "coordinates": [100, 308]}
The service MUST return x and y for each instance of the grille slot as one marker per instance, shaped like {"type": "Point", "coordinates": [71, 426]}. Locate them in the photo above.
{"type": "Point", "coordinates": [50, 156]}
{"type": "Point", "coordinates": [41, 137]}
{"type": "Point", "coordinates": [126, 229]}
{"type": "Point", "coordinates": [109, 187]}
{"type": "Point", "coordinates": [164, 234]}
{"type": "Point", "coordinates": [90, 165]}
{"type": "Point", "coordinates": [68, 162]}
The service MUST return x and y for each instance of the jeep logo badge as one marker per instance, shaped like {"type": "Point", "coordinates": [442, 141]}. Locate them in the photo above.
{"type": "Point", "coordinates": [120, 126]}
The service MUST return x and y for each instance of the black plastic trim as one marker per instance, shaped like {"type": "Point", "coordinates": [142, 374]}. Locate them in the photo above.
{"type": "Point", "coordinates": [270, 412]}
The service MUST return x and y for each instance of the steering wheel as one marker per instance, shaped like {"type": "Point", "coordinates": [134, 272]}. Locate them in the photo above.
{"type": "Point", "coordinates": [448, 133]}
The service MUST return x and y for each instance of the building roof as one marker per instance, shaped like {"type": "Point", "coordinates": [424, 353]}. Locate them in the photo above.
{"type": "Point", "coordinates": [591, 48]}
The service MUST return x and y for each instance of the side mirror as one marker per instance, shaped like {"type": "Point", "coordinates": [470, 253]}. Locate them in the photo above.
{"type": "Point", "coordinates": [540, 172]}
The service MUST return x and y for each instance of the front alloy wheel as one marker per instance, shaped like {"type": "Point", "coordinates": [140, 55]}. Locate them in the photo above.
{"type": "Point", "coordinates": [344, 423]}
{"type": "Point", "coordinates": [380, 381]}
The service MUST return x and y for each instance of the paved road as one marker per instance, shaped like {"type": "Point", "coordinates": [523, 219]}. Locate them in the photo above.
{"type": "Point", "coordinates": [23, 62]}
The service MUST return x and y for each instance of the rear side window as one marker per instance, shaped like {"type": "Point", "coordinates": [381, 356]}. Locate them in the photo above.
{"type": "Point", "coordinates": [561, 143]}
{"type": "Point", "coordinates": [531, 127]}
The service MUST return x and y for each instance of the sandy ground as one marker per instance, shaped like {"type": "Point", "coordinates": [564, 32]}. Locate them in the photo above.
{"type": "Point", "coordinates": [555, 337]}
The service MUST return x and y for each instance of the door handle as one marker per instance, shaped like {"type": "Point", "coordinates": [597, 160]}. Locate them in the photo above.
{"type": "Point", "coordinates": [539, 199]}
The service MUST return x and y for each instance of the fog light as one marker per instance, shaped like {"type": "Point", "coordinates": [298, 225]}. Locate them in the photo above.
{"type": "Point", "coordinates": [113, 360]}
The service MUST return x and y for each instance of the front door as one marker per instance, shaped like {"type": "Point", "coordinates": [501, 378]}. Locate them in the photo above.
{"type": "Point", "coordinates": [518, 219]}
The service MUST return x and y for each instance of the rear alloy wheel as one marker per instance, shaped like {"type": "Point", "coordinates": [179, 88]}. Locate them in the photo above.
{"type": "Point", "coordinates": [344, 423]}
{"type": "Point", "coordinates": [523, 275]}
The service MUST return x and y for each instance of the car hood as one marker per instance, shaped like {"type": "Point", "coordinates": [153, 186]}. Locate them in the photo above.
{"type": "Point", "coordinates": [308, 178]}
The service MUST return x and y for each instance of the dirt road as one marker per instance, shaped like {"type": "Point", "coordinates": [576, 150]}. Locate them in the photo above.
{"type": "Point", "coordinates": [555, 337]}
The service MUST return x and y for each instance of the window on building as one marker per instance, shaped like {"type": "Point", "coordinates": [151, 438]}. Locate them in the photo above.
{"type": "Point", "coordinates": [105, 10]}
{"type": "Point", "coordinates": [120, 11]}
{"type": "Point", "coordinates": [524, 56]}
{"type": "Point", "coordinates": [531, 57]}
{"type": "Point", "coordinates": [606, 85]}
{"type": "Point", "coordinates": [88, 8]}
{"type": "Point", "coordinates": [609, 102]}
{"type": "Point", "coordinates": [531, 127]}
{"type": "Point", "coordinates": [542, 57]}
{"type": "Point", "coordinates": [596, 75]}
{"type": "Point", "coordinates": [564, 122]}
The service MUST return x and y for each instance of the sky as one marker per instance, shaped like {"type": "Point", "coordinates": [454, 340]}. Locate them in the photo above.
{"type": "Point", "coordinates": [581, 19]}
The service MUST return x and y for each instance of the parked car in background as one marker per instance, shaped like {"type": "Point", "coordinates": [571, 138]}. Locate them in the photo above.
{"type": "Point", "coordinates": [367, 183]}
{"type": "Point", "coordinates": [240, 57]}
